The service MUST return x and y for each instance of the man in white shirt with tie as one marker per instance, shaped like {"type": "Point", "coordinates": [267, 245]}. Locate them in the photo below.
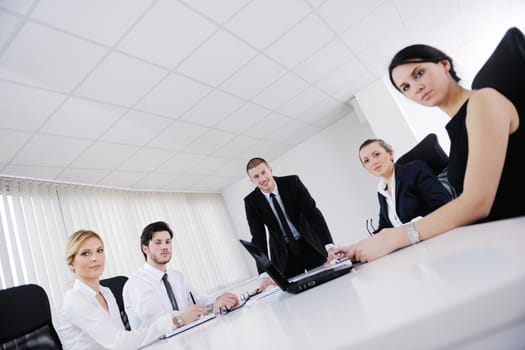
{"type": "Point", "coordinates": [156, 290]}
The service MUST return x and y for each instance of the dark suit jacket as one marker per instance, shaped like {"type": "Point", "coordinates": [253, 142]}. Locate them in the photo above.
{"type": "Point", "coordinates": [302, 212]}
{"type": "Point", "coordinates": [418, 192]}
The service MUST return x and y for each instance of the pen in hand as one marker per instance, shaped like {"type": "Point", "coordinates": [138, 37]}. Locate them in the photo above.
{"type": "Point", "coordinates": [192, 298]}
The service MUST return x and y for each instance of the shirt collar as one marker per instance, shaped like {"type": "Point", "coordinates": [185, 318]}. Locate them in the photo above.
{"type": "Point", "coordinates": [382, 185]}
{"type": "Point", "coordinates": [275, 191]}
{"type": "Point", "coordinates": [155, 272]}
{"type": "Point", "coordinates": [84, 288]}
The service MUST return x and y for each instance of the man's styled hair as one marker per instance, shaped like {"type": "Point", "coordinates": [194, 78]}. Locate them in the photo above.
{"type": "Point", "coordinates": [252, 163]}
{"type": "Point", "coordinates": [147, 233]}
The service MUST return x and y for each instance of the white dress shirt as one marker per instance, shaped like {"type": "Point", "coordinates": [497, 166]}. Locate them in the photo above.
{"type": "Point", "coordinates": [295, 233]}
{"type": "Point", "coordinates": [390, 199]}
{"type": "Point", "coordinates": [145, 296]}
{"type": "Point", "coordinates": [85, 324]}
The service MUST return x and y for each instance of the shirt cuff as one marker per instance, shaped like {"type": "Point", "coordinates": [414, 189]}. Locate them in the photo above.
{"type": "Point", "coordinates": [329, 246]}
{"type": "Point", "coordinates": [264, 275]}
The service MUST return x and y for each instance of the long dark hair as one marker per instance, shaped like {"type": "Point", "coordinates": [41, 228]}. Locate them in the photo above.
{"type": "Point", "coordinates": [419, 53]}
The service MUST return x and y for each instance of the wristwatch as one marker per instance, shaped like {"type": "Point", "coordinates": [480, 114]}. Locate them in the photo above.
{"type": "Point", "coordinates": [412, 233]}
{"type": "Point", "coordinates": [180, 321]}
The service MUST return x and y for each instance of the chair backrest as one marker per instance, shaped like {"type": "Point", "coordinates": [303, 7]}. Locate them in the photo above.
{"type": "Point", "coordinates": [428, 150]}
{"type": "Point", "coordinates": [25, 319]}
{"type": "Point", "coordinates": [116, 284]}
{"type": "Point", "coordinates": [505, 69]}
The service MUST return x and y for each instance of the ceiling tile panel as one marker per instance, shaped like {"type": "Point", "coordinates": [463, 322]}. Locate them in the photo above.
{"type": "Point", "coordinates": [373, 28]}
{"type": "Point", "coordinates": [234, 167]}
{"type": "Point", "coordinates": [323, 109]}
{"type": "Point", "coordinates": [112, 18]}
{"type": "Point", "coordinates": [301, 42]}
{"type": "Point", "coordinates": [341, 14]}
{"type": "Point", "coordinates": [82, 118]}
{"type": "Point", "coordinates": [265, 126]}
{"type": "Point", "coordinates": [251, 20]}
{"type": "Point", "coordinates": [343, 75]}
{"type": "Point", "coordinates": [47, 150]}
{"type": "Point", "coordinates": [213, 108]}
{"type": "Point", "coordinates": [15, 140]}
{"type": "Point", "coordinates": [324, 61]}
{"type": "Point", "coordinates": [121, 179]}
{"type": "Point", "coordinates": [8, 24]}
{"type": "Point", "coordinates": [235, 146]}
{"type": "Point", "coordinates": [285, 133]}
{"type": "Point", "coordinates": [219, 11]}
{"type": "Point", "coordinates": [229, 54]}
{"type": "Point", "coordinates": [82, 176]}
{"type": "Point", "coordinates": [154, 181]}
{"type": "Point", "coordinates": [295, 135]}
{"type": "Point", "coordinates": [32, 172]}
{"type": "Point", "coordinates": [210, 141]}
{"type": "Point", "coordinates": [167, 34]}
{"type": "Point", "coordinates": [121, 79]}
{"type": "Point", "coordinates": [19, 6]}
{"type": "Point", "coordinates": [176, 95]}
{"type": "Point", "coordinates": [281, 91]}
{"type": "Point", "coordinates": [265, 149]}
{"type": "Point", "coordinates": [181, 182]}
{"type": "Point", "coordinates": [301, 102]}
{"type": "Point", "coordinates": [62, 59]}
{"type": "Point", "coordinates": [146, 159]}
{"type": "Point", "coordinates": [243, 118]}
{"type": "Point", "coordinates": [254, 77]}
{"type": "Point", "coordinates": [180, 163]}
{"type": "Point", "coordinates": [136, 128]}
{"type": "Point", "coordinates": [177, 136]}
{"type": "Point", "coordinates": [103, 155]}
{"type": "Point", "coordinates": [173, 96]}
{"type": "Point", "coordinates": [377, 56]}
{"type": "Point", "coordinates": [207, 166]}
{"type": "Point", "coordinates": [211, 184]}
{"type": "Point", "coordinates": [316, 3]}
{"type": "Point", "coordinates": [17, 113]}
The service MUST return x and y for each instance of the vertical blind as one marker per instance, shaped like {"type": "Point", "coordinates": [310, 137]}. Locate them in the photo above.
{"type": "Point", "coordinates": [38, 217]}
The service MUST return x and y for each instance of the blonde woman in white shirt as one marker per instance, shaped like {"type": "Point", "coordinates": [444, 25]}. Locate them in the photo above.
{"type": "Point", "coordinates": [90, 317]}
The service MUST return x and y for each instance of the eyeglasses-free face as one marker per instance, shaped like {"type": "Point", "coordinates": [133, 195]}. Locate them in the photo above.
{"type": "Point", "coordinates": [89, 261]}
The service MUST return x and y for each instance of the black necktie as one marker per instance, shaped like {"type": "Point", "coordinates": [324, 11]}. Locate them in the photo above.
{"type": "Point", "coordinates": [170, 292]}
{"type": "Point", "coordinates": [287, 234]}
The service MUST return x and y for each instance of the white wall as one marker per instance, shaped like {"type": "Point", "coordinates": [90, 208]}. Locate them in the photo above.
{"type": "Point", "coordinates": [399, 121]}
{"type": "Point", "coordinates": [328, 164]}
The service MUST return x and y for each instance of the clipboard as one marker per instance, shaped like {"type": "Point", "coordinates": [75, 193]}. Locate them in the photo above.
{"type": "Point", "coordinates": [195, 323]}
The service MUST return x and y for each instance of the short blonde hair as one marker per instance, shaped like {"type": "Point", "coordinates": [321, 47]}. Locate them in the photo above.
{"type": "Point", "coordinates": [76, 240]}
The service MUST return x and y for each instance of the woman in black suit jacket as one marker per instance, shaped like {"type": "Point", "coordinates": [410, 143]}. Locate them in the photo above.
{"type": "Point", "coordinates": [405, 192]}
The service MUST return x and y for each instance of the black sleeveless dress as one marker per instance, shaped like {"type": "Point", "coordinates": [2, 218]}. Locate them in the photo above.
{"type": "Point", "coordinates": [510, 198]}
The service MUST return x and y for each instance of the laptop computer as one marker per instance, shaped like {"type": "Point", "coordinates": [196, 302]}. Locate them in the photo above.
{"type": "Point", "coordinates": [299, 283]}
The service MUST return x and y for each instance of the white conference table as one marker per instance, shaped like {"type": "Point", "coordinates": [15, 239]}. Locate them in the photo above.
{"type": "Point", "coordinates": [461, 290]}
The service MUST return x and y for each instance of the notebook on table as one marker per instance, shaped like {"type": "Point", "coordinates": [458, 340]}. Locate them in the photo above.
{"type": "Point", "coordinates": [302, 282]}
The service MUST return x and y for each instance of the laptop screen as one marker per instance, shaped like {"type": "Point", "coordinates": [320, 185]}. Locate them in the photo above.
{"type": "Point", "coordinates": [265, 263]}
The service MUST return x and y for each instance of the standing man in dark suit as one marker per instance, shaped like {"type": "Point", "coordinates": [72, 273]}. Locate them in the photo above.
{"type": "Point", "coordinates": [299, 238]}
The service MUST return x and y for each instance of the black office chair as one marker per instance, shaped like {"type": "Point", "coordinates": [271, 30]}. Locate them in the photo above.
{"type": "Point", "coordinates": [116, 284]}
{"type": "Point", "coordinates": [429, 150]}
{"type": "Point", "coordinates": [505, 69]}
{"type": "Point", "coordinates": [25, 319]}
